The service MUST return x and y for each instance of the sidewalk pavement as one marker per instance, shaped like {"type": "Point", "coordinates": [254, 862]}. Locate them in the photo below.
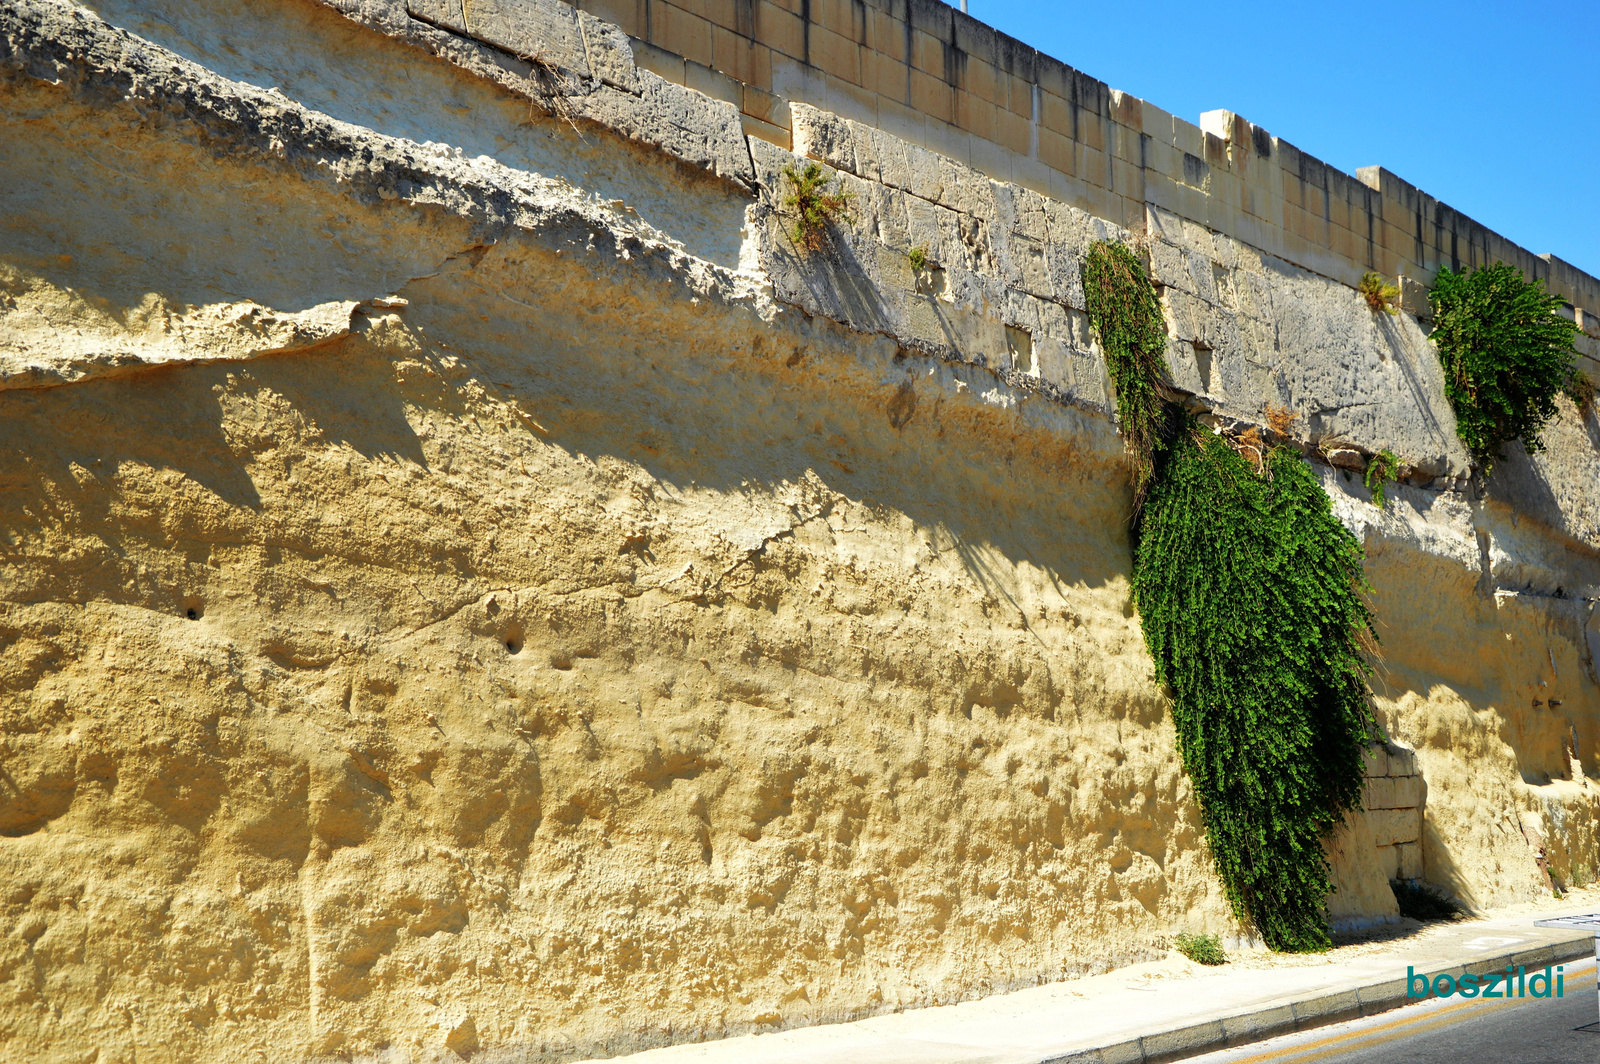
{"type": "Point", "coordinates": [1162, 1010]}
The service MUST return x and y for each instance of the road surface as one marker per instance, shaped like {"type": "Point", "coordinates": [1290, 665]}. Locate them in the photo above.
{"type": "Point", "coordinates": [1451, 1031]}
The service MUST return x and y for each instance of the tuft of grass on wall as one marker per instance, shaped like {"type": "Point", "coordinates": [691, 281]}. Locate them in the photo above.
{"type": "Point", "coordinates": [813, 200]}
{"type": "Point", "coordinates": [1379, 294]}
{"type": "Point", "coordinates": [1507, 352]}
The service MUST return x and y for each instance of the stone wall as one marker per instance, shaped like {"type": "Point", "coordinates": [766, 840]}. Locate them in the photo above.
{"type": "Point", "coordinates": [1394, 800]}
{"type": "Point", "coordinates": [931, 75]}
{"type": "Point", "coordinates": [469, 582]}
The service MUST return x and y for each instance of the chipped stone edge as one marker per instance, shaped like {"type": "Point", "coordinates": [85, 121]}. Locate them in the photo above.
{"type": "Point", "coordinates": [638, 104]}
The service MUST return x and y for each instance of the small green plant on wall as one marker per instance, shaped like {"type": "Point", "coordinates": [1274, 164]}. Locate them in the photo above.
{"type": "Point", "coordinates": [1383, 468]}
{"type": "Point", "coordinates": [1379, 294]}
{"type": "Point", "coordinates": [919, 257]}
{"type": "Point", "coordinates": [814, 200]}
{"type": "Point", "coordinates": [1507, 353]}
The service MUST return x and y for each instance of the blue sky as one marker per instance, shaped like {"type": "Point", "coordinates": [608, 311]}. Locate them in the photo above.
{"type": "Point", "coordinates": [1493, 108]}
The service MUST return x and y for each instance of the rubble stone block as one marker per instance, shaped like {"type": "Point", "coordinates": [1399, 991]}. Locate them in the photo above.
{"type": "Point", "coordinates": [546, 29]}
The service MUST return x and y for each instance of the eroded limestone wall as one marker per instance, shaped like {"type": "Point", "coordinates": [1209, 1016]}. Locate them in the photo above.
{"type": "Point", "coordinates": [470, 582]}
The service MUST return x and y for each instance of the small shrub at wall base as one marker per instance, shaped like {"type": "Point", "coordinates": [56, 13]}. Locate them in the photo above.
{"type": "Point", "coordinates": [1507, 352]}
{"type": "Point", "coordinates": [1202, 949]}
{"type": "Point", "coordinates": [814, 200]}
{"type": "Point", "coordinates": [1381, 471]}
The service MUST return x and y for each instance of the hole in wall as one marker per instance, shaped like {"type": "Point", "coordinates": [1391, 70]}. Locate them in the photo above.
{"type": "Point", "coordinates": [1202, 361]}
{"type": "Point", "coordinates": [512, 638]}
{"type": "Point", "coordinates": [193, 608]}
{"type": "Point", "coordinates": [1019, 344]}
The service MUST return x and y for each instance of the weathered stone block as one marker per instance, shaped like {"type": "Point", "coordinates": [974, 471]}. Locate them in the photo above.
{"type": "Point", "coordinates": [1379, 793]}
{"type": "Point", "coordinates": [822, 135]}
{"type": "Point", "coordinates": [1394, 826]}
{"type": "Point", "coordinates": [1375, 762]}
{"type": "Point", "coordinates": [933, 96]}
{"type": "Point", "coordinates": [780, 30]}
{"type": "Point", "coordinates": [718, 86]}
{"type": "Point", "coordinates": [835, 55]}
{"type": "Point", "coordinates": [609, 53]}
{"type": "Point", "coordinates": [1409, 791]}
{"type": "Point", "coordinates": [1409, 860]}
{"type": "Point", "coordinates": [533, 29]}
{"type": "Point", "coordinates": [1402, 760]}
{"type": "Point", "coordinates": [680, 31]}
{"type": "Point", "coordinates": [680, 121]}
{"type": "Point", "coordinates": [747, 61]}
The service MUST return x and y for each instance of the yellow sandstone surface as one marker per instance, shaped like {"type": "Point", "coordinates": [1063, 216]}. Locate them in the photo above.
{"type": "Point", "coordinates": [418, 643]}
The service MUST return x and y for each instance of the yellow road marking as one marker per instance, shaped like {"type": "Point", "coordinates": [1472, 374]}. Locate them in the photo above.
{"type": "Point", "coordinates": [1369, 1037]}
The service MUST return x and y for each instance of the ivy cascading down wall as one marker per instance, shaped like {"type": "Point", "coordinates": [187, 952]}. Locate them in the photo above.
{"type": "Point", "coordinates": [1250, 595]}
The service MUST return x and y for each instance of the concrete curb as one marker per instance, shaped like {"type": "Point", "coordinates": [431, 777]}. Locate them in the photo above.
{"type": "Point", "coordinates": [1346, 1003]}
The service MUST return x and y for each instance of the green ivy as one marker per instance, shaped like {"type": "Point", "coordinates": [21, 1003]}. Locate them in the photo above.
{"type": "Point", "coordinates": [1507, 352]}
{"type": "Point", "coordinates": [1249, 591]}
{"type": "Point", "coordinates": [1126, 318]}
{"type": "Point", "coordinates": [1383, 468]}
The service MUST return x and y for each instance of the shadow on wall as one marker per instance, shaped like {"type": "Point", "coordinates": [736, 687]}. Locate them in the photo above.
{"type": "Point", "coordinates": [176, 418]}
{"type": "Point", "coordinates": [1518, 482]}
{"type": "Point", "coordinates": [1467, 679]}
{"type": "Point", "coordinates": [1419, 390]}
{"type": "Point", "coordinates": [1440, 869]}
{"type": "Point", "coordinates": [373, 81]}
{"type": "Point", "coordinates": [703, 398]}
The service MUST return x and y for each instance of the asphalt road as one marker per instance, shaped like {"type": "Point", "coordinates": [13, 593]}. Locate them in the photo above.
{"type": "Point", "coordinates": [1451, 1031]}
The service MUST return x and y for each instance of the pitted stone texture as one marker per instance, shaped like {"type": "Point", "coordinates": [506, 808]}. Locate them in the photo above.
{"type": "Point", "coordinates": [610, 53]}
{"type": "Point", "coordinates": [581, 649]}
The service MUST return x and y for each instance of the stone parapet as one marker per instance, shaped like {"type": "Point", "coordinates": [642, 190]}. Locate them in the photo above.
{"type": "Point", "coordinates": [938, 78]}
